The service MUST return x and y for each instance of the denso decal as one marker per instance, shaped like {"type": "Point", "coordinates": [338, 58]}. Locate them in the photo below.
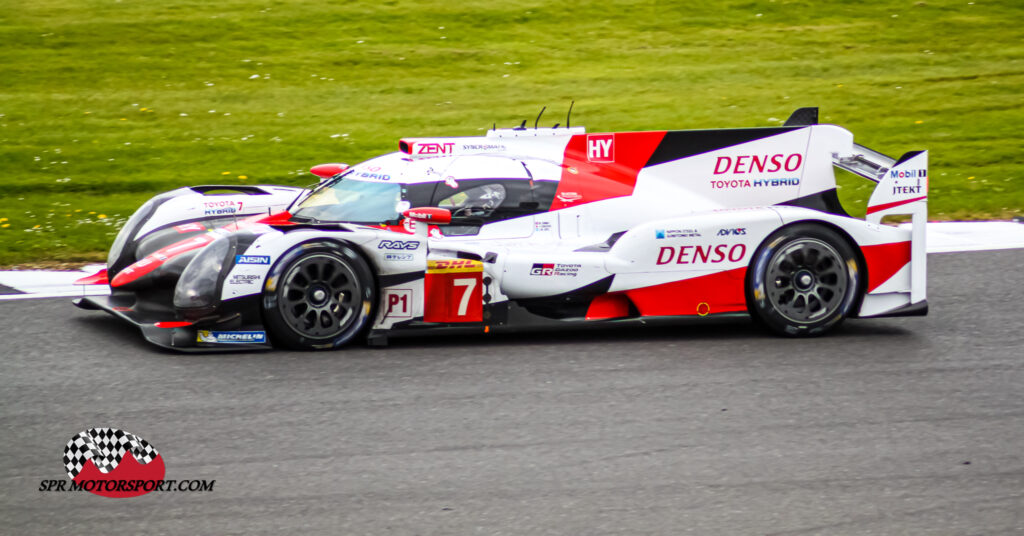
{"type": "Point", "coordinates": [433, 148]}
{"type": "Point", "coordinates": [756, 183]}
{"type": "Point", "coordinates": [711, 254]}
{"type": "Point", "coordinates": [231, 337]}
{"type": "Point", "coordinates": [739, 165]}
{"type": "Point", "coordinates": [252, 259]}
{"type": "Point", "coordinates": [564, 270]}
{"type": "Point", "coordinates": [601, 147]}
{"type": "Point", "coordinates": [398, 244]}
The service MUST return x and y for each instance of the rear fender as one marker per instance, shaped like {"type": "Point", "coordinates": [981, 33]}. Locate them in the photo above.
{"type": "Point", "coordinates": [709, 241]}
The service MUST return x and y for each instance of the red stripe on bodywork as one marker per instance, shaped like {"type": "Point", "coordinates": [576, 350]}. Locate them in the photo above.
{"type": "Point", "coordinates": [608, 306]}
{"type": "Point", "coordinates": [884, 260]}
{"type": "Point", "coordinates": [280, 218]}
{"type": "Point", "coordinates": [171, 324]}
{"type": "Point", "coordinates": [99, 278]}
{"type": "Point", "coordinates": [883, 206]}
{"type": "Point", "coordinates": [720, 292]}
{"type": "Point", "coordinates": [584, 181]}
{"type": "Point", "coordinates": [158, 258]}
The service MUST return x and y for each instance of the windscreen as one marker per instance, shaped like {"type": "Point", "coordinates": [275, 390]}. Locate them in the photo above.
{"type": "Point", "coordinates": [352, 201]}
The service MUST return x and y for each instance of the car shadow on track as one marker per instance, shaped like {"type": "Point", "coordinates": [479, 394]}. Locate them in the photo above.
{"type": "Point", "coordinates": [705, 330]}
{"type": "Point", "coordinates": [124, 334]}
{"type": "Point", "coordinates": [689, 331]}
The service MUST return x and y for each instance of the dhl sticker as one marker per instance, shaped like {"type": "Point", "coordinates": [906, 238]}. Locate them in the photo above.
{"type": "Point", "coordinates": [454, 266]}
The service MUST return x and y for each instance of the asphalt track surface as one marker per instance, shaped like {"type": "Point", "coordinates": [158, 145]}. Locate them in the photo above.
{"type": "Point", "coordinates": [890, 426]}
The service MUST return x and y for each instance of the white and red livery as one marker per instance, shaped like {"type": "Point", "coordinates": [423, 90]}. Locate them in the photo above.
{"type": "Point", "coordinates": [528, 227]}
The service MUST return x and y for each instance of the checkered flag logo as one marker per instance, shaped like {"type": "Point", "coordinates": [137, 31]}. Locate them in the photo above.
{"type": "Point", "coordinates": [106, 448]}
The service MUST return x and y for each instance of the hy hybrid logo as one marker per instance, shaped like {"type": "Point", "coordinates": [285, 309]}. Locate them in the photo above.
{"type": "Point", "coordinates": [601, 147]}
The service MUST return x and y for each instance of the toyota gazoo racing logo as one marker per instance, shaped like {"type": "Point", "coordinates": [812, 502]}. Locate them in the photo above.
{"type": "Point", "coordinates": [542, 269]}
{"type": "Point", "coordinates": [570, 270]}
{"type": "Point", "coordinates": [113, 463]}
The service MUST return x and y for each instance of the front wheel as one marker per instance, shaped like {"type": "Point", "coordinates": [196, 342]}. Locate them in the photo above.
{"type": "Point", "coordinates": [319, 296]}
{"type": "Point", "coordinates": [804, 280]}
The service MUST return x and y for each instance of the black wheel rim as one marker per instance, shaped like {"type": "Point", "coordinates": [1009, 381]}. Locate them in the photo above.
{"type": "Point", "coordinates": [806, 281]}
{"type": "Point", "coordinates": [320, 296]}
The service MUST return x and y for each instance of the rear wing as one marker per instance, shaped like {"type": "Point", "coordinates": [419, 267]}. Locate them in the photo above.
{"type": "Point", "coordinates": [867, 163]}
{"type": "Point", "coordinates": [902, 190]}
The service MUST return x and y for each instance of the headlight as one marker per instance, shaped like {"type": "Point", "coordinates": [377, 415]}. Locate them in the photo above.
{"type": "Point", "coordinates": [197, 286]}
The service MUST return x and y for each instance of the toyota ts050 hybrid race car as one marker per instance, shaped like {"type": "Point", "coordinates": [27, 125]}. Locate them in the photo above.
{"type": "Point", "coordinates": [523, 228]}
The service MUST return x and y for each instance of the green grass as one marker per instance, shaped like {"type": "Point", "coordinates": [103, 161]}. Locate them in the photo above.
{"type": "Point", "coordinates": [106, 103]}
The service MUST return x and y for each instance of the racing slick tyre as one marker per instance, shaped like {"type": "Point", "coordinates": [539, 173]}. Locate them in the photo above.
{"type": "Point", "coordinates": [319, 296]}
{"type": "Point", "coordinates": [803, 280]}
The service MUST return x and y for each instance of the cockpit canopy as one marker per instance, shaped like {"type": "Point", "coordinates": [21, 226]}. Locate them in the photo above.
{"type": "Point", "coordinates": [476, 189]}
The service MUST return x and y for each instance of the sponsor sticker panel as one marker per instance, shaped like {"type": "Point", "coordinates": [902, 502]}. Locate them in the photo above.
{"type": "Point", "coordinates": [231, 337]}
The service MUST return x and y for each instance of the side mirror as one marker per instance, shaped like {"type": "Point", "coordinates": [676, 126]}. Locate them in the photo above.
{"type": "Point", "coordinates": [429, 215]}
{"type": "Point", "coordinates": [326, 171]}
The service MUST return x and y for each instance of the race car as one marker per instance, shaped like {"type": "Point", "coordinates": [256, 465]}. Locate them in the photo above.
{"type": "Point", "coordinates": [529, 227]}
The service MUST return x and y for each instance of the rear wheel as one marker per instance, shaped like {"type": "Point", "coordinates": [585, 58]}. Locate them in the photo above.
{"type": "Point", "coordinates": [319, 296]}
{"type": "Point", "coordinates": [804, 280]}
